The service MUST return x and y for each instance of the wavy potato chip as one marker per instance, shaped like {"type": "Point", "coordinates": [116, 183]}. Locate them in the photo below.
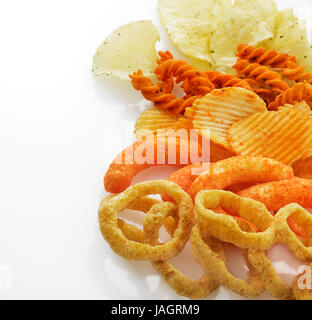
{"type": "Point", "coordinates": [127, 49]}
{"type": "Point", "coordinates": [214, 114]}
{"type": "Point", "coordinates": [285, 135]}
{"type": "Point", "coordinates": [187, 23]}
{"type": "Point", "coordinates": [152, 120]}
{"type": "Point", "coordinates": [301, 106]}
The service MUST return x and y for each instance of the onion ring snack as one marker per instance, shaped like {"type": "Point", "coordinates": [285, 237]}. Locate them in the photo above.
{"type": "Point", "coordinates": [273, 283]}
{"type": "Point", "coordinates": [137, 251]}
{"type": "Point", "coordinates": [225, 228]}
{"type": "Point", "coordinates": [207, 253]}
{"type": "Point", "coordinates": [181, 284]}
{"type": "Point", "coordinates": [236, 170]}
{"type": "Point", "coordinates": [302, 251]}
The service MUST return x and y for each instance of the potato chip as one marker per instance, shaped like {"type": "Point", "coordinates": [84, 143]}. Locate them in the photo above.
{"type": "Point", "coordinates": [152, 120]}
{"type": "Point", "coordinates": [291, 37]}
{"type": "Point", "coordinates": [246, 21]}
{"type": "Point", "coordinates": [127, 49]}
{"type": "Point", "coordinates": [214, 114]}
{"type": "Point", "coordinates": [187, 23]}
{"type": "Point", "coordinates": [301, 106]}
{"type": "Point", "coordinates": [284, 136]}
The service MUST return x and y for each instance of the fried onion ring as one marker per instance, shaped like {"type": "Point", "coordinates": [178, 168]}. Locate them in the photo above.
{"type": "Point", "coordinates": [302, 251]}
{"type": "Point", "coordinates": [207, 253]}
{"type": "Point", "coordinates": [273, 283]}
{"type": "Point", "coordinates": [226, 228]}
{"type": "Point", "coordinates": [132, 250]}
{"type": "Point", "coordinates": [181, 284]}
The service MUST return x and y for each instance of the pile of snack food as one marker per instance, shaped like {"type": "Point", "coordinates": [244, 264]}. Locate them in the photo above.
{"type": "Point", "coordinates": [201, 208]}
{"type": "Point", "coordinates": [253, 189]}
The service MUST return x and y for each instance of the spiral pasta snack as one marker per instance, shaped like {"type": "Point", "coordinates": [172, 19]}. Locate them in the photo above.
{"type": "Point", "coordinates": [261, 73]}
{"type": "Point", "coordinates": [299, 92]}
{"type": "Point", "coordinates": [161, 99]}
{"type": "Point", "coordinates": [194, 81]}
{"type": "Point", "coordinates": [264, 57]}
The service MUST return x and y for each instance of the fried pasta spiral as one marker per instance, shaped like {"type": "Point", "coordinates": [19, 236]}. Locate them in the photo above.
{"type": "Point", "coordinates": [297, 73]}
{"type": "Point", "coordinates": [221, 80]}
{"type": "Point", "coordinates": [298, 93]}
{"type": "Point", "coordinates": [260, 73]}
{"type": "Point", "coordinates": [161, 98]}
{"type": "Point", "coordinates": [193, 81]}
{"type": "Point", "coordinates": [264, 57]}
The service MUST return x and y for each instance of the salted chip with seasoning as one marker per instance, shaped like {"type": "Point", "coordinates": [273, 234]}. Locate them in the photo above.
{"type": "Point", "coordinates": [291, 37]}
{"type": "Point", "coordinates": [246, 21]}
{"type": "Point", "coordinates": [188, 25]}
{"type": "Point", "coordinates": [285, 135]}
{"type": "Point", "coordinates": [127, 49]}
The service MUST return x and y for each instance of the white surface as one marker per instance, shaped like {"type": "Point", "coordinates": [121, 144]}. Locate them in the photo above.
{"type": "Point", "coordinates": [56, 128]}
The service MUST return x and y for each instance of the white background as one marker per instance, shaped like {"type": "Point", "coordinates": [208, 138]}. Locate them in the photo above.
{"type": "Point", "coordinates": [56, 122]}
